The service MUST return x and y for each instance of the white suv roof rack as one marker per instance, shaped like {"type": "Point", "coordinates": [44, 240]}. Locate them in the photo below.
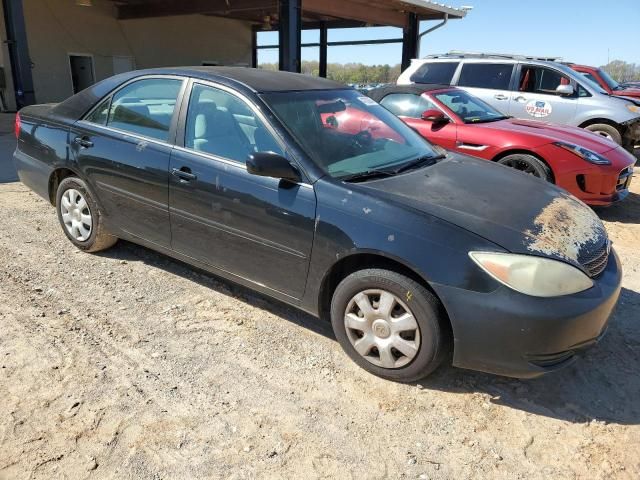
{"type": "Point", "coordinates": [507, 56]}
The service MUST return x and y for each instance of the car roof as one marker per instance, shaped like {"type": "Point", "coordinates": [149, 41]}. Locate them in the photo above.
{"type": "Point", "coordinates": [378, 94]}
{"type": "Point", "coordinates": [241, 78]}
{"type": "Point", "coordinates": [260, 81]}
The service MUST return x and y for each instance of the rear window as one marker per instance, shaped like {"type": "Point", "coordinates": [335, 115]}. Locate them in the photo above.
{"type": "Point", "coordinates": [439, 73]}
{"type": "Point", "coordinates": [406, 104]}
{"type": "Point", "coordinates": [486, 75]}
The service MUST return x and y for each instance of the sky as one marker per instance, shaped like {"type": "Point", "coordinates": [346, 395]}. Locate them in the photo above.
{"type": "Point", "coordinates": [582, 31]}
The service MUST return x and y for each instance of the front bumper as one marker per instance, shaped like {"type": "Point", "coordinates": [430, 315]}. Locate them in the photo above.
{"type": "Point", "coordinates": [508, 333]}
{"type": "Point", "coordinates": [600, 185]}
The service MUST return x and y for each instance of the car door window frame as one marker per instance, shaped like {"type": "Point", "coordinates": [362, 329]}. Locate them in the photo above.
{"type": "Point", "coordinates": [516, 81]}
{"type": "Point", "coordinates": [173, 126]}
{"type": "Point", "coordinates": [182, 127]}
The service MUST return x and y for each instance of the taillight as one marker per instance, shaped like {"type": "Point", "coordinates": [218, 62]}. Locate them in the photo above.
{"type": "Point", "coordinates": [17, 125]}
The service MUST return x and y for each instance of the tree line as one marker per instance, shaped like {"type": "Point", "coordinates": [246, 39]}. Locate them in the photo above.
{"type": "Point", "coordinates": [622, 71]}
{"type": "Point", "coordinates": [359, 73]}
{"type": "Point", "coordinates": [348, 72]}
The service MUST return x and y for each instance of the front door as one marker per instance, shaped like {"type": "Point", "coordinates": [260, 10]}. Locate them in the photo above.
{"type": "Point", "coordinates": [123, 148]}
{"type": "Point", "coordinates": [257, 228]}
{"type": "Point", "coordinates": [535, 96]}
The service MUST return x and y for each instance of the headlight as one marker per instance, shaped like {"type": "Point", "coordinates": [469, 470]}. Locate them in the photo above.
{"type": "Point", "coordinates": [584, 153]}
{"type": "Point", "coordinates": [535, 276]}
{"type": "Point", "coordinates": [633, 108]}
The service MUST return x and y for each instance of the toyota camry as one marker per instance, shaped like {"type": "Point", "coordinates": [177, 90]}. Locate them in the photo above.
{"type": "Point", "coordinates": [414, 255]}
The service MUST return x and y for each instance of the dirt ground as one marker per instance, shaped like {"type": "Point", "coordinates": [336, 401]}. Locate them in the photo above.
{"type": "Point", "coordinates": [128, 364]}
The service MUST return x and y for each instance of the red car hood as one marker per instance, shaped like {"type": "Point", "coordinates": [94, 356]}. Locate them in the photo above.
{"type": "Point", "coordinates": [541, 133]}
{"type": "Point", "coordinates": [628, 92]}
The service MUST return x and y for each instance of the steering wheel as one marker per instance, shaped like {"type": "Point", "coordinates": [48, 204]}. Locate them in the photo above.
{"type": "Point", "coordinates": [362, 139]}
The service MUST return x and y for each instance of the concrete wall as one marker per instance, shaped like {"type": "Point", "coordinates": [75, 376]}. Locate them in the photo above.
{"type": "Point", "coordinates": [56, 28]}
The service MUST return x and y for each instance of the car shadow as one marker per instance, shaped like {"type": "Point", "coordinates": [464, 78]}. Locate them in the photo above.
{"type": "Point", "coordinates": [131, 252]}
{"type": "Point", "coordinates": [627, 211]}
{"type": "Point", "coordinates": [602, 385]}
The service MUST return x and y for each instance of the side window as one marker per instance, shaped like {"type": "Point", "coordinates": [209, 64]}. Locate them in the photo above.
{"type": "Point", "coordinates": [436, 73]}
{"type": "Point", "coordinates": [145, 107]}
{"type": "Point", "coordinates": [100, 114]}
{"type": "Point", "coordinates": [486, 75]}
{"type": "Point", "coordinates": [583, 92]}
{"type": "Point", "coordinates": [406, 104]}
{"type": "Point", "coordinates": [221, 124]}
{"type": "Point", "coordinates": [540, 80]}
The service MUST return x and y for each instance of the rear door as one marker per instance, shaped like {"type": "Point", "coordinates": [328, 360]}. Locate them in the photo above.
{"type": "Point", "coordinates": [410, 107]}
{"type": "Point", "coordinates": [488, 81]}
{"type": "Point", "coordinates": [256, 228]}
{"type": "Point", "coordinates": [535, 97]}
{"type": "Point", "coordinates": [123, 148]}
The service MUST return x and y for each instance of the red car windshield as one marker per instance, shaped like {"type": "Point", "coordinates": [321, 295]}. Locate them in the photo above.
{"type": "Point", "coordinates": [347, 133]}
{"type": "Point", "coordinates": [613, 85]}
{"type": "Point", "coordinates": [468, 108]}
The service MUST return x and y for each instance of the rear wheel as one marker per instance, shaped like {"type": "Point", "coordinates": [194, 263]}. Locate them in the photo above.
{"type": "Point", "coordinates": [528, 164]}
{"type": "Point", "coordinates": [388, 324]}
{"type": "Point", "coordinates": [80, 217]}
{"type": "Point", "coordinates": [606, 131]}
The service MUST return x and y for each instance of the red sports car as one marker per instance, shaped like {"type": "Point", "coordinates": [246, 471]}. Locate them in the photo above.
{"type": "Point", "coordinates": [589, 166]}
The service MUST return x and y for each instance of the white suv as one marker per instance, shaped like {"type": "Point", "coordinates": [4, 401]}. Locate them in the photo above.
{"type": "Point", "coordinates": [526, 87]}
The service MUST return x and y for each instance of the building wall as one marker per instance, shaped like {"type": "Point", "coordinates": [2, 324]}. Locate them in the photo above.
{"type": "Point", "coordinates": [56, 28]}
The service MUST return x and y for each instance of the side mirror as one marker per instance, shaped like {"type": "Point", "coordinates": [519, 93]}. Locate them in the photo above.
{"type": "Point", "coordinates": [565, 90]}
{"type": "Point", "coordinates": [435, 116]}
{"type": "Point", "coordinates": [269, 164]}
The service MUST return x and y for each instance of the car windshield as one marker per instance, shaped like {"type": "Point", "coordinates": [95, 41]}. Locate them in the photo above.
{"type": "Point", "coordinates": [613, 85]}
{"type": "Point", "coordinates": [348, 134]}
{"type": "Point", "coordinates": [468, 108]}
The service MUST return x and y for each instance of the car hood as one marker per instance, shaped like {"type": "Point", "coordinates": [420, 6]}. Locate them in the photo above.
{"type": "Point", "coordinates": [628, 92]}
{"type": "Point", "coordinates": [516, 211]}
{"type": "Point", "coordinates": [543, 133]}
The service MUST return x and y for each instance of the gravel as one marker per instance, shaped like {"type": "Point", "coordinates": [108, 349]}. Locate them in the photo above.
{"type": "Point", "coordinates": [128, 364]}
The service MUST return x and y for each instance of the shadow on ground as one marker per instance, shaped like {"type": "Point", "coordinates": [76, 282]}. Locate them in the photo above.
{"type": "Point", "coordinates": [603, 384]}
{"type": "Point", "coordinates": [627, 211]}
{"type": "Point", "coordinates": [132, 252]}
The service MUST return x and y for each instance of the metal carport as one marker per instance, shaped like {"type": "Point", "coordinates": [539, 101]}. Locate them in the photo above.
{"type": "Point", "coordinates": [290, 17]}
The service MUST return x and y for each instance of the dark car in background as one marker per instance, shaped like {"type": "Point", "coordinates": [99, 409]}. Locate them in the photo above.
{"type": "Point", "coordinates": [408, 252]}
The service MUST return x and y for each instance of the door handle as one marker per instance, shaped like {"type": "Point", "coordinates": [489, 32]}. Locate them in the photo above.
{"type": "Point", "coordinates": [84, 142]}
{"type": "Point", "coordinates": [184, 174]}
{"type": "Point", "coordinates": [520, 99]}
{"type": "Point", "coordinates": [500, 96]}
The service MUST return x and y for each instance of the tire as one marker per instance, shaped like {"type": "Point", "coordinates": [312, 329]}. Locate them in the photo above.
{"type": "Point", "coordinates": [607, 131]}
{"type": "Point", "coordinates": [527, 164]}
{"type": "Point", "coordinates": [81, 221]}
{"type": "Point", "coordinates": [425, 344]}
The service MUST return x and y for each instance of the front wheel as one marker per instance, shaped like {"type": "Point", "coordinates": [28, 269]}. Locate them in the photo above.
{"type": "Point", "coordinates": [528, 164]}
{"type": "Point", "coordinates": [80, 217]}
{"type": "Point", "coordinates": [388, 324]}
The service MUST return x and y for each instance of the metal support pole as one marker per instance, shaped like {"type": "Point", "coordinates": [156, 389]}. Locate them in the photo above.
{"type": "Point", "coordinates": [323, 50]}
{"type": "Point", "coordinates": [254, 49]}
{"type": "Point", "coordinates": [19, 53]}
{"type": "Point", "coordinates": [410, 40]}
{"type": "Point", "coordinates": [290, 33]}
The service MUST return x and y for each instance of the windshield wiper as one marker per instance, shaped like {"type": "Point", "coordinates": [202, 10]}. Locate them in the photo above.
{"type": "Point", "coordinates": [427, 159]}
{"type": "Point", "coordinates": [487, 120]}
{"type": "Point", "coordinates": [366, 175]}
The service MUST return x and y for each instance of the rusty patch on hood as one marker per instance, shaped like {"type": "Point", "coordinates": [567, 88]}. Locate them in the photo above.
{"type": "Point", "coordinates": [564, 227]}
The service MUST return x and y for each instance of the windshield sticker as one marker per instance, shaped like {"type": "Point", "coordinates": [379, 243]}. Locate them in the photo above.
{"type": "Point", "coordinates": [538, 108]}
{"type": "Point", "coordinates": [369, 102]}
